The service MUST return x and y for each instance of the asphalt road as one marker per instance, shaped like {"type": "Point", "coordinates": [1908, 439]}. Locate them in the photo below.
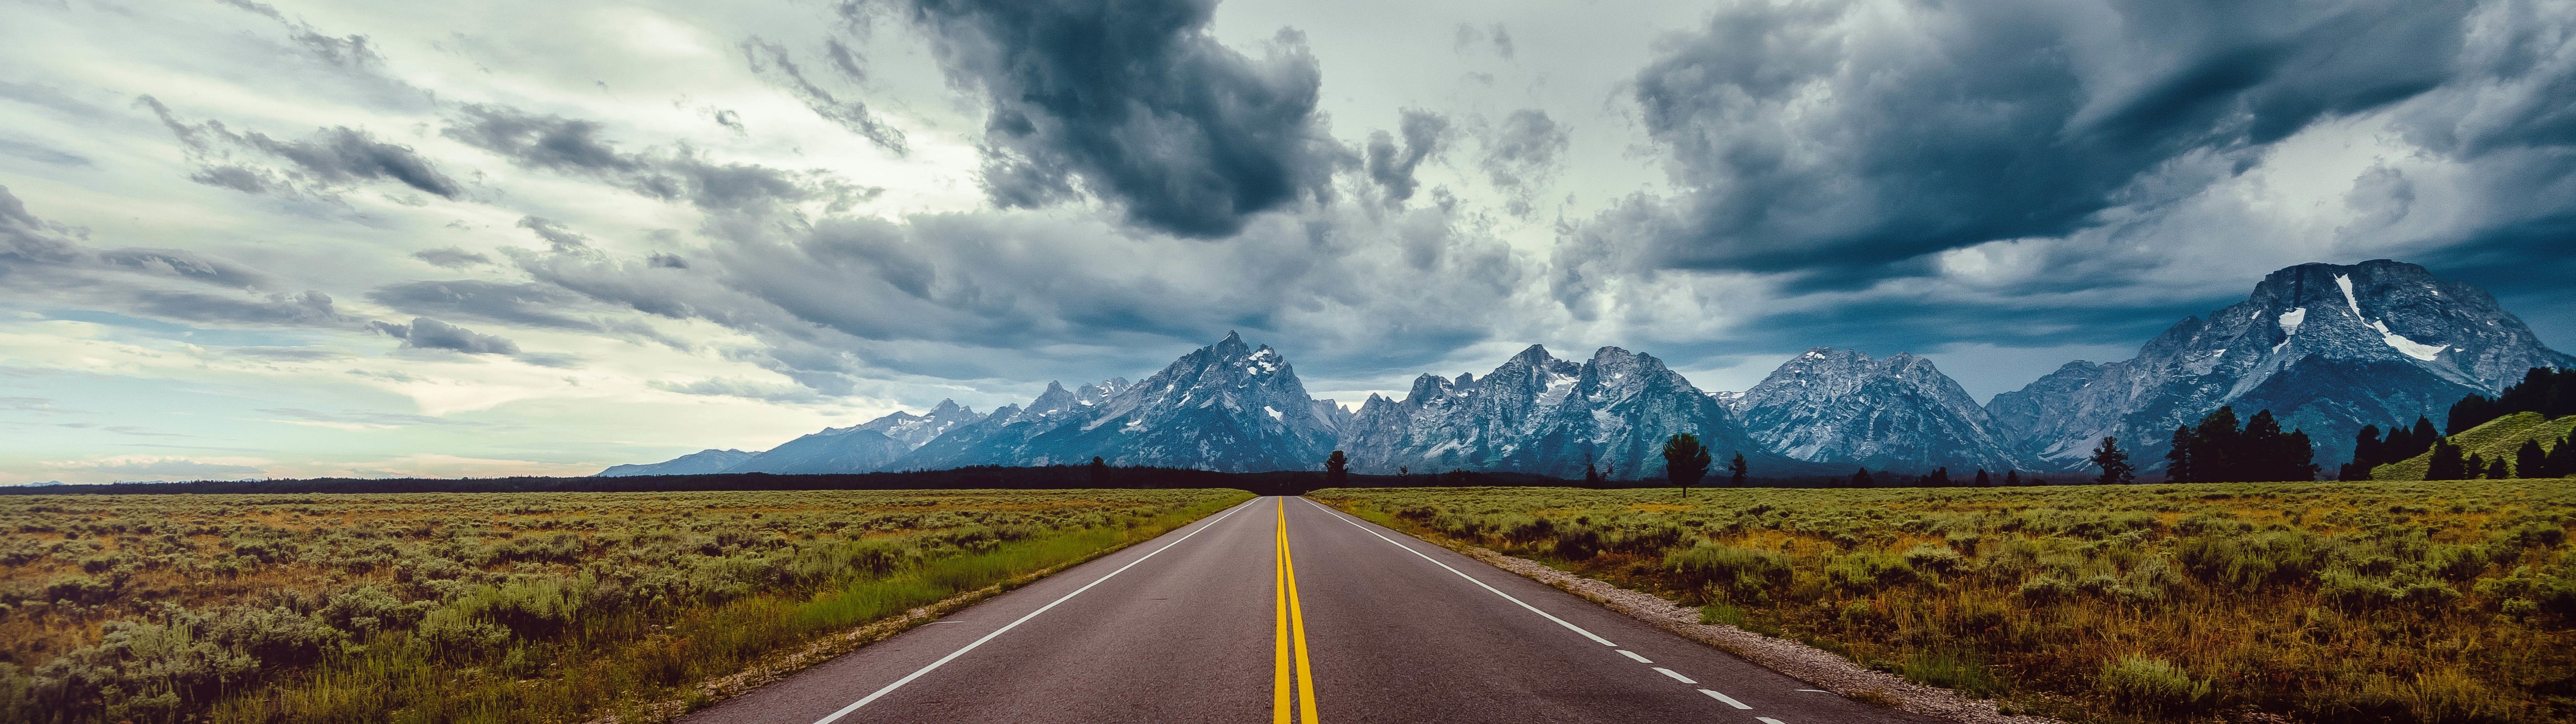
{"type": "Point", "coordinates": [1346, 622]}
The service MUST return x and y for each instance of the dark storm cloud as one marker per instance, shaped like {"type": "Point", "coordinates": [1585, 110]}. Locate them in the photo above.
{"type": "Point", "coordinates": [330, 160]}
{"type": "Point", "coordinates": [1139, 105]}
{"type": "Point", "coordinates": [844, 301]}
{"type": "Point", "coordinates": [1392, 167]}
{"type": "Point", "coordinates": [426, 333]}
{"type": "Point", "coordinates": [1522, 154]}
{"type": "Point", "coordinates": [772, 62]}
{"type": "Point", "coordinates": [534, 305]}
{"type": "Point", "coordinates": [451, 257]}
{"type": "Point", "coordinates": [1823, 136]}
{"type": "Point", "coordinates": [44, 259]}
{"type": "Point", "coordinates": [678, 173]}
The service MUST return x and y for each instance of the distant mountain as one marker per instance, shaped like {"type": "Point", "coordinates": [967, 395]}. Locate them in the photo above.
{"type": "Point", "coordinates": [859, 448]}
{"type": "Point", "coordinates": [1840, 406]}
{"type": "Point", "coordinates": [2327, 348]}
{"type": "Point", "coordinates": [1539, 414]}
{"type": "Point", "coordinates": [696, 463]}
{"type": "Point", "coordinates": [915, 430]}
{"type": "Point", "coordinates": [1227, 406]}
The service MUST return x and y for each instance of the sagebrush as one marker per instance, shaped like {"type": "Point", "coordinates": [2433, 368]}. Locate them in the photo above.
{"type": "Point", "coordinates": [2323, 602]}
{"type": "Point", "coordinates": [488, 607]}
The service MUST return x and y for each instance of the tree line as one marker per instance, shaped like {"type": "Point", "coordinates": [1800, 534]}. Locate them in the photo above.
{"type": "Point", "coordinates": [2218, 451]}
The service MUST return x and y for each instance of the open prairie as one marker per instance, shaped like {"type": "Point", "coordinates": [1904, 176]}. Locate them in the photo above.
{"type": "Point", "coordinates": [489, 607]}
{"type": "Point", "coordinates": [2382, 601]}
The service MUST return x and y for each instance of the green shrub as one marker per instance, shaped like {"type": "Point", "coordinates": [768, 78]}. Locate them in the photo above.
{"type": "Point", "coordinates": [1740, 573]}
{"type": "Point", "coordinates": [1869, 571]}
{"type": "Point", "coordinates": [2152, 685]}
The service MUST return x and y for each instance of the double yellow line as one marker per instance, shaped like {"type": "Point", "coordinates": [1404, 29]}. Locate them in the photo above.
{"type": "Point", "coordinates": [1290, 619]}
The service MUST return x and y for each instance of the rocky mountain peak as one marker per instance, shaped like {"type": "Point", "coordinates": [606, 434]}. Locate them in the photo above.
{"type": "Point", "coordinates": [1830, 405]}
{"type": "Point", "coordinates": [2327, 347]}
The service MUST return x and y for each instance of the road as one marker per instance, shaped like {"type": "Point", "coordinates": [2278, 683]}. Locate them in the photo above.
{"type": "Point", "coordinates": [1283, 610]}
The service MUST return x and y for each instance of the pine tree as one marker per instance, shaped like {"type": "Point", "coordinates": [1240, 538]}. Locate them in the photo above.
{"type": "Point", "coordinates": [2214, 448]}
{"type": "Point", "coordinates": [2496, 469]}
{"type": "Point", "coordinates": [2473, 468]}
{"type": "Point", "coordinates": [2178, 460]}
{"type": "Point", "coordinates": [2562, 459]}
{"type": "Point", "coordinates": [2012, 478]}
{"type": "Point", "coordinates": [1861, 479]}
{"type": "Point", "coordinates": [2365, 446]}
{"type": "Point", "coordinates": [1336, 470]}
{"type": "Point", "coordinates": [1737, 471]}
{"type": "Point", "coordinates": [2530, 461]}
{"type": "Point", "coordinates": [1591, 475]}
{"type": "Point", "coordinates": [2298, 456]}
{"type": "Point", "coordinates": [1099, 472]}
{"type": "Point", "coordinates": [2417, 442]}
{"type": "Point", "coordinates": [2114, 462]}
{"type": "Point", "coordinates": [1940, 478]}
{"type": "Point", "coordinates": [1685, 461]}
{"type": "Point", "coordinates": [2258, 450]}
{"type": "Point", "coordinates": [2446, 463]}
{"type": "Point", "coordinates": [2365, 454]}
{"type": "Point", "coordinates": [1982, 480]}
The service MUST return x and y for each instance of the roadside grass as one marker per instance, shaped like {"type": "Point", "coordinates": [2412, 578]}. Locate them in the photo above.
{"type": "Point", "coordinates": [491, 607]}
{"type": "Point", "coordinates": [2382, 601]}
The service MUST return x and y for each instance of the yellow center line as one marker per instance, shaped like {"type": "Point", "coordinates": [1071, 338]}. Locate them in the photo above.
{"type": "Point", "coordinates": [1279, 615]}
{"type": "Point", "coordinates": [1290, 625]}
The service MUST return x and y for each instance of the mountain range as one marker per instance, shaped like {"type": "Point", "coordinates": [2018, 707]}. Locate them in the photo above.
{"type": "Point", "coordinates": [2328, 348]}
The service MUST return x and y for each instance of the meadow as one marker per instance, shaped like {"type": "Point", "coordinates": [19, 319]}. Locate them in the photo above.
{"type": "Point", "coordinates": [448, 607]}
{"type": "Point", "coordinates": [2448, 601]}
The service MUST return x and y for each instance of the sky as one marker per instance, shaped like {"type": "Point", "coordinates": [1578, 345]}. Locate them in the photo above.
{"type": "Point", "coordinates": [294, 239]}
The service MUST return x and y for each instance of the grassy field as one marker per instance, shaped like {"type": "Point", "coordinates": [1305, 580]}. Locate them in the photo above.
{"type": "Point", "coordinates": [488, 607]}
{"type": "Point", "coordinates": [2321, 602]}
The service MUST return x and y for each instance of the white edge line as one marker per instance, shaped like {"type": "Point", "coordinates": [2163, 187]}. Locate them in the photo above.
{"type": "Point", "coordinates": [854, 706]}
{"type": "Point", "coordinates": [1472, 579]}
{"type": "Point", "coordinates": [1677, 676]}
{"type": "Point", "coordinates": [1633, 655]}
{"type": "Point", "coordinates": [1768, 720]}
{"type": "Point", "coordinates": [1730, 701]}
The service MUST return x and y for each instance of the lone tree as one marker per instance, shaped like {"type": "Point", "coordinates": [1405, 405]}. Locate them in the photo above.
{"type": "Point", "coordinates": [1591, 474]}
{"type": "Point", "coordinates": [1983, 480]}
{"type": "Point", "coordinates": [2114, 463]}
{"type": "Point", "coordinates": [1337, 470]}
{"type": "Point", "coordinates": [1860, 479]}
{"type": "Point", "coordinates": [1685, 462]}
{"type": "Point", "coordinates": [1736, 471]}
{"type": "Point", "coordinates": [1099, 472]}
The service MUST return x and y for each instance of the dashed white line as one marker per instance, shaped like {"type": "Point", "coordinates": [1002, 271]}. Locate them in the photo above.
{"type": "Point", "coordinates": [1730, 701]}
{"type": "Point", "coordinates": [1470, 579]}
{"type": "Point", "coordinates": [1677, 676]}
{"type": "Point", "coordinates": [1633, 655]}
{"type": "Point", "coordinates": [1819, 691]}
{"type": "Point", "coordinates": [1768, 720]}
{"type": "Point", "coordinates": [854, 706]}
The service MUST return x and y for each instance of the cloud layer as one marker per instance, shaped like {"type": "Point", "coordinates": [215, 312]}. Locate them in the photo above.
{"type": "Point", "coordinates": [604, 219]}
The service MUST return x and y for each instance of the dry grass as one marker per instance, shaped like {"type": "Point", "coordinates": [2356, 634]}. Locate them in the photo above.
{"type": "Point", "coordinates": [489, 607]}
{"type": "Point", "coordinates": [2326, 602]}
